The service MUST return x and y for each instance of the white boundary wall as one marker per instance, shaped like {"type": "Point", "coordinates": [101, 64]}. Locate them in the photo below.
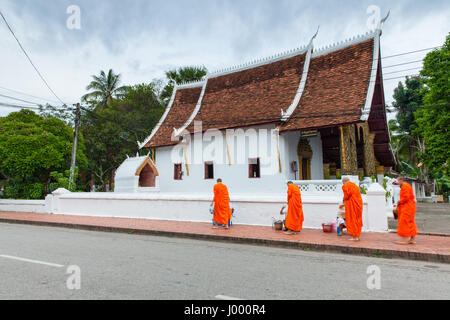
{"type": "Point", "coordinates": [250, 209]}
{"type": "Point", "coordinates": [38, 206]}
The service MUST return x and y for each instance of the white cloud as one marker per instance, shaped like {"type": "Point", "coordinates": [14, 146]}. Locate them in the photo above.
{"type": "Point", "coordinates": [142, 39]}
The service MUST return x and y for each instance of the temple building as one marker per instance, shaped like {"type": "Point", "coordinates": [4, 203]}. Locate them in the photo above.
{"type": "Point", "coordinates": [305, 115]}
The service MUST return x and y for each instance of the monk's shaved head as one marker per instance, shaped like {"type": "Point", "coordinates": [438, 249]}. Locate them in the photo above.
{"type": "Point", "coordinates": [345, 179]}
{"type": "Point", "coordinates": [290, 182]}
{"type": "Point", "coordinates": [401, 180]}
{"type": "Point", "coordinates": [219, 180]}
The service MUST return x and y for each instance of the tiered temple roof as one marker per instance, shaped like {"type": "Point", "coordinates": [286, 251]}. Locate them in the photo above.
{"type": "Point", "coordinates": [297, 90]}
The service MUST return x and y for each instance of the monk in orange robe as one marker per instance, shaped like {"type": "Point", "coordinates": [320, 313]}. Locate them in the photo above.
{"type": "Point", "coordinates": [406, 208]}
{"type": "Point", "coordinates": [294, 217]}
{"type": "Point", "coordinates": [353, 209]}
{"type": "Point", "coordinates": [221, 202]}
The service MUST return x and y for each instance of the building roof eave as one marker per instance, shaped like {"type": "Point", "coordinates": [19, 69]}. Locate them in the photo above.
{"type": "Point", "coordinates": [373, 76]}
{"type": "Point", "coordinates": [161, 121]}
{"type": "Point", "coordinates": [198, 106]}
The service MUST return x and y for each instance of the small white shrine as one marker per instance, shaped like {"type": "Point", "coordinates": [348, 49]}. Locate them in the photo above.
{"type": "Point", "coordinates": [138, 174]}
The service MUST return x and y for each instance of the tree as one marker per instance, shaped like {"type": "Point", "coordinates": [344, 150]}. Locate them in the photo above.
{"type": "Point", "coordinates": [433, 120]}
{"type": "Point", "coordinates": [112, 133]}
{"type": "Point", "coordinates": [63, 113]}
{"type": "Point", "coordinates": [435, 74]}
{"type": "Point", "coordinates": [400, 142]}
{"type": "Point", "coordinates": [31, 147]}
{"type": "Point", "coordinates": [180, 75]}
{"type": "Point", "coordinates": [104, 89]}
{"type": "Point", "coordinates": [407, 99]}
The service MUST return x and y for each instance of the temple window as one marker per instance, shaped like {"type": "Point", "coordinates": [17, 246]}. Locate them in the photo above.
{"type": "Point", "coordinates": [209, 170]}
{"type": "Point", "coordinates": [254, 168]}
{"type": "Point", "coordinates": [178, 173]}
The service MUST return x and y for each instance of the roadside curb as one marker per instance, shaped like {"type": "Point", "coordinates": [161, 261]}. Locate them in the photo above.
{"type": "Point", "coordinates": [433, 234]}
{"type": "Point", "coordinates": [306, 246]}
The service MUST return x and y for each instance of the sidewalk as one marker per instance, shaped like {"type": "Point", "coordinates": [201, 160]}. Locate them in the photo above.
{"type": "Point", "coordinates": [428, 247]}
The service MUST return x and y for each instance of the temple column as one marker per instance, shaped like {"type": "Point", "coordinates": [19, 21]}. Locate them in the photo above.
{"type": "Point", "coordinates": [308, 169]}
{"type": "Point", "coordinates": [326, 171]}
{"type": "Point", "coordinates": [349, 161]}
{"type": "Point", "coordinates": [380, 172]}
{"type": "Point", "coordinates": [369, 153]}
{"type": "Point", "coordinates": [300, 167]}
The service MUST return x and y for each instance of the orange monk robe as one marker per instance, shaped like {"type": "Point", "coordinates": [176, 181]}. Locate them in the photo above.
{"type": "Point", "coordinates": [222, 210]}
{"type": "Point", "coordinates": [353, 209]}
{"type": "Point", "coordinates": [294, 217]}
{"type": "Point", "coordinates": [406, 212]}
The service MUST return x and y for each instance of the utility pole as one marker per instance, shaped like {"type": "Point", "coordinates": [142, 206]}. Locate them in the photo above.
{"type": "Point", "coordinates": [75, 142]}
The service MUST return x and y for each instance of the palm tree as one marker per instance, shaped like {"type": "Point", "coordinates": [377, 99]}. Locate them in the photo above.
{"type": "Point", "coordinates": [180, 75]}
{"type": "Point", "coordinates": [104, 89]}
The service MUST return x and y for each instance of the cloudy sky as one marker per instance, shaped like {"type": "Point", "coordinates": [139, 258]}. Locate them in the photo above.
{"type": "Point", "coordinates": [141, 39]}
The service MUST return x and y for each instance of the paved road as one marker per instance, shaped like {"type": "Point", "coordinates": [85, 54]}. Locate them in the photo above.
{"type": "Point", "coordinates": [34, 261]}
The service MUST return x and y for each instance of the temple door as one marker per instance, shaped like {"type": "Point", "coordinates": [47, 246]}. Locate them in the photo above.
{"type": "Point", "coordinates": [147, 177]}
{"type": "Point", "coordinates": [147, 173]}
{"type": "Point", "coordinates": [304, 153]}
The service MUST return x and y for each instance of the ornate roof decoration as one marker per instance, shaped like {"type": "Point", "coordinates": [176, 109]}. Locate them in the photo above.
{"type": "Point", "coordinates": [259, 62]}
{"type": "Point", "coordinates": [301, 86]}
{"type": "Point", "coordinates": [195, 112]}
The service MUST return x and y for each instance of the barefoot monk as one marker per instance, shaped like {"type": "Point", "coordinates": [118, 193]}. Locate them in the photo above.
{"type": "Point", "coordinates": [221, 202]}
{"type": "Point", "coordinates": [294, 217]}
{"type": "Point", "coordinates": [406, 207]}
{"type": "Point", "coordinates": [353, 208]}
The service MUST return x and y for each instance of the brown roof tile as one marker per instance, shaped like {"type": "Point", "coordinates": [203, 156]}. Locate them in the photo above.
{"type": "Point", "coordinates": [252, 96]}
{"type": "Point", "coordinates": [336, 88]}
{"type": "Point", "coordinates": [182, 107]}
{"type": "Point", "coordinates": [335, 92]}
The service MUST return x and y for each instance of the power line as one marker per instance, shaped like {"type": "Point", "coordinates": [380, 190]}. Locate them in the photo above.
{"type": "Point", "coordinates": [410, 52]}
{"type": "Point", "coordinates": [408, 75]}
{"type": "Point", "coordinates": [17, 106]}
{"type": "Point", "coordinates": [21, 100]}
{"type": "Point", "coordinates": [27, 94]}
{"type": "Point", "coordinates": [402, 64]}
{"type": "Point", "coordinates": [29, 59]}
{"type": "Point", "coordinates": [401, 70]}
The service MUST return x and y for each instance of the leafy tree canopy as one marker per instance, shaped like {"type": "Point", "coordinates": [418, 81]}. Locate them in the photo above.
{"type": "Point", "coordinates": [407, 99]}
{"type": "Point", "coordinates": [31, 147]}
{"type": "Point", "coordinates": [112, 133]}
{"type": "Point", "coordinates": [433, 121]}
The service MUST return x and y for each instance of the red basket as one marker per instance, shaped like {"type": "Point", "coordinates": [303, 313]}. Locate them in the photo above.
{"type": "Point", "coordinates": [328, 228]}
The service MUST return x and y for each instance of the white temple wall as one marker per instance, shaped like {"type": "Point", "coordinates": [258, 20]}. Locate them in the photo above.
{"type": "Point", "coordinates": [292, 139]}
{"type": "Point", "coordinates": [236, 175]}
